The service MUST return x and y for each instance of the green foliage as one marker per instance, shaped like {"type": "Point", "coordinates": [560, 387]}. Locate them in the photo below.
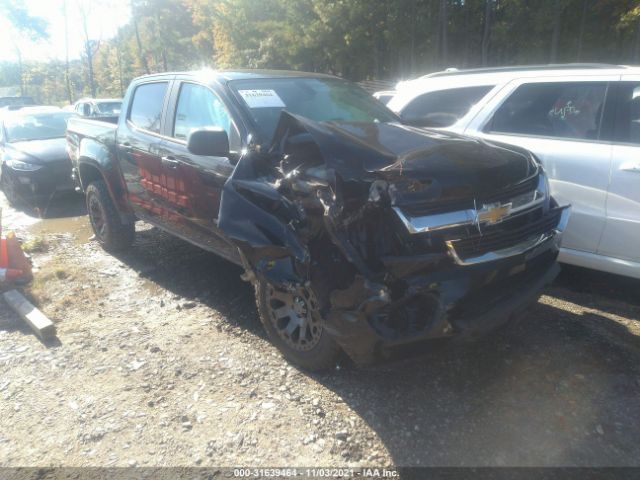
{"type": "Point", "coordinates": [362, 39]}
{"type": "Point", "coordinates": [357, 39]}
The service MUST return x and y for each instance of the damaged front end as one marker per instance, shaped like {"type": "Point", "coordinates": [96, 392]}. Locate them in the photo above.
{"type": "Point", "coordinates": [401, 235]}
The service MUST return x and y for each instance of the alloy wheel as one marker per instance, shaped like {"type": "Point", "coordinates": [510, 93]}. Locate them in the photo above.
{"type": "Point", "coordinates": [295, 316]}
{"type": "Point", "coordinates": [97, 217]}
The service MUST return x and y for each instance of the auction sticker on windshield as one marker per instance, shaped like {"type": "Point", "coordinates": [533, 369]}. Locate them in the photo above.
{"type": "Point", "coordinates": [262, 98]}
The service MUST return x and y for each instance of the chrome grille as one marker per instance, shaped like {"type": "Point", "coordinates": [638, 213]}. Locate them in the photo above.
{"type": "Point", "coordinates": [505, 235]}
{"type": "Point", "coordinates": [437, 207]}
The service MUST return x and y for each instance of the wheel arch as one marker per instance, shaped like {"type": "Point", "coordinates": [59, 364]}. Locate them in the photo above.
{"type": "Point", "coordinates": [90, 171]}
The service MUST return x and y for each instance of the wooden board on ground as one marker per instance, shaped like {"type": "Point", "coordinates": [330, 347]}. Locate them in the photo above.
{"type": "Point", "coordinates": [37, 320]}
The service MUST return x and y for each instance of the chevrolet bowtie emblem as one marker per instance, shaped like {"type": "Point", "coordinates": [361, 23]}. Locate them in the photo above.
{"type": "Point", "coordinates": [493, 213]}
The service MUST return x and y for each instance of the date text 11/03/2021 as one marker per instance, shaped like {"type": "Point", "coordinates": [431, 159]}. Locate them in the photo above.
{"type": "Point", "coordinates": [315, 472]}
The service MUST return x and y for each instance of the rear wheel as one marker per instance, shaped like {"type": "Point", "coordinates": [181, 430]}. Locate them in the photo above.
{"type": "Point", "coordinates": [294, 325]}
{"type": "Point", "coordinates": [110, 232]}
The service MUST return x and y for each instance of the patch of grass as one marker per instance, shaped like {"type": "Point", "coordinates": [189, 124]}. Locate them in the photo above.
{"type": "Point", "coordinates": [35, 245]}
{"type": "Point", "coordinates": [61, 274]}
{"type": "Point", "coordinates": [62, 284]}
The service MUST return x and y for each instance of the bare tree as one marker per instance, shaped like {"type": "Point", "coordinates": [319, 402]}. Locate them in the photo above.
{"type": "Point", "coordinates": [160, 38]}
{"type": "Point", "coordinates": [467, 35]}
{"type": "Point", "coordinates": [67, 79]}
{"type": "Point", "coordinates": [583, 20]}
{"type": "Point", "coordinates": [141, 54]}
{"type": "Point", "coordinates": [442, 32]}
{"type": "Point", "coordinates": [555, 33]}
{"type": "Point", "coordinates": [90, 46]}
{"type": "Point", "coordinates": [636, 48]}
{"type": "Point", "coordinates": [119, 58]}
{"type": "Point", "coordinates": [412, 48]}
{"type": "Point", "coordinates": [487, 32]}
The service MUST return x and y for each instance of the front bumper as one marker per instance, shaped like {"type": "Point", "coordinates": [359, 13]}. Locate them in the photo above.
{"type": "Point", "coordinates": [39, 185]}
{"type": "Point", "coordinates": [459, 299]}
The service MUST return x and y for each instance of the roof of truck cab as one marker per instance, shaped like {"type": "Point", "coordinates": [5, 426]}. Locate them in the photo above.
{"type": "Point", "coordinates": [229, 75]}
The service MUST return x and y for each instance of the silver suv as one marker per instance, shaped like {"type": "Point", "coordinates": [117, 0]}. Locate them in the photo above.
{"type": "Point", "coordinates": [581, 121]}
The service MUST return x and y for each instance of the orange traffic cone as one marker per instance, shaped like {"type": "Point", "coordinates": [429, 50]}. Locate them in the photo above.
{"type": "Point", "coordinates": [4, 256]}
{"type": "Point", "coordinates": [10, 274]}
{"type": "Point", "coordinates": [17, 259]}
{"type": "Point", "coordinates": [14, 265]}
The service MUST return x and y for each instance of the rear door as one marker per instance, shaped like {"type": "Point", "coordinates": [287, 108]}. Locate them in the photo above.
{"type": "Point", "coordinates": [621, 237]}
{"type": "Point", "coordinates": [198, 179]}
{"type": "Point", "coordinates": [138, 144]}
{"type": "Point", "coordinates": [560, 121]}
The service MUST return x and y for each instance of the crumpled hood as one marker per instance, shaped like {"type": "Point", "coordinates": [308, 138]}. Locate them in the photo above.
{"type": "Point", "coordinates": [39, 151]}
{"type": "Point", "coordinates": [444, 165]}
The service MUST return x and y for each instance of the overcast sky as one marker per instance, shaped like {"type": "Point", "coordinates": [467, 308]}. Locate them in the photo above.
{"type": "Point", "coordinates": [105, 18]}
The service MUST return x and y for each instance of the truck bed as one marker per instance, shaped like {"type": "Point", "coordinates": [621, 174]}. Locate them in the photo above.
{"type": "Point", "coordinates": [94, 139]}
{"type": "Point", "coordinates": [100, 130]}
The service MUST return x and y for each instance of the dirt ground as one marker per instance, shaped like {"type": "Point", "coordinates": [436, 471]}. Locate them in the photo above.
{"type": "Point", "coordinates": [161, 361]}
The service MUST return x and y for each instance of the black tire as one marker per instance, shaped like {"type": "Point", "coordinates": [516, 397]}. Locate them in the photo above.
{"type": "Point", "coordinates": [109, 230]}
{"type": "Point", "coordinates": [322, 354]}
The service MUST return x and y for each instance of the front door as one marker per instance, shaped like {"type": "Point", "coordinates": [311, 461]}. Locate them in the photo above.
{"type": "Point", "coordinates": [198, 179]}
{"type": "Point", "coordinates": [621, 237]}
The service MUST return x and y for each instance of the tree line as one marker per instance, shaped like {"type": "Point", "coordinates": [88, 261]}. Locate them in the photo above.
{"type": "Point", "coordinates": [356, 39]}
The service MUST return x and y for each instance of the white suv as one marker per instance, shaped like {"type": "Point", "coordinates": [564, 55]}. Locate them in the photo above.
{"type": "Point", "coordinates": [581, 121]}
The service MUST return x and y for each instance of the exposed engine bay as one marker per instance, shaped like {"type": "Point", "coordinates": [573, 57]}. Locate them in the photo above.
{"type": "Point", "coordinates": [401, 234]}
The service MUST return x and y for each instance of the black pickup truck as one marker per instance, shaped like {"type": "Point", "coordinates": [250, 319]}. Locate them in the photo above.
{"type": "Point", "coordinates": [360, 234]}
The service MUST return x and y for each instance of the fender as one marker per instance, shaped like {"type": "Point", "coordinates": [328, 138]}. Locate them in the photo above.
{"type": "Point", "coordinates": [97, 160]}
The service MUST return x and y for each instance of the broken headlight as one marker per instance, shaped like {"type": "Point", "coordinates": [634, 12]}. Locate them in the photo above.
{"type": "Point", "coordinates": [543, 185]}
{"type": "Point", "coordinates": [543, 192]}
{"type": "Point", "coordinates": [23, 166]}
{"type": "Point", "coordinates": [408, 190]}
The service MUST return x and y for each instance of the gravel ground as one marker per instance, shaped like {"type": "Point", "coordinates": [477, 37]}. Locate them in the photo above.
{"type": "Point", "coordinates": [161, 361]}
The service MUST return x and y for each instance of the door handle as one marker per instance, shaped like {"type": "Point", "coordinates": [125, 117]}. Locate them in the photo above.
{"type": "Point", "coordinates": [127, 147]}
{"type": "Point", "coordinates": [170, 162]}
{"type": "Point", "coordinates": [630, 167]}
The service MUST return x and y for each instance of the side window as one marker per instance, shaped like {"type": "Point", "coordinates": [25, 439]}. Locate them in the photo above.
{"type": "Point", "coordinates": [627, 119]}
{"type": "Point", "coordinates": [199, 107]}
{"type": "Point", "coordinates": [146, 107]}
{"type": "Point", "coordinates": [563, 110]}
{"type": "Point", "coordinates": [443, 108]}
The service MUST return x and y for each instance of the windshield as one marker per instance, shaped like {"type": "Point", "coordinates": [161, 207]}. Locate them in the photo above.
{"type": "Point", "coordinates": [37, 126]}
{"type": "Point", "coordinates": [318, 99]}
{"type": "Point", "coordinates": [109, 108]}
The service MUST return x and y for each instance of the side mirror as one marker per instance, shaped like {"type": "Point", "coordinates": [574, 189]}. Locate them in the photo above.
{"type": "Point", "coordinates": [211, 142]}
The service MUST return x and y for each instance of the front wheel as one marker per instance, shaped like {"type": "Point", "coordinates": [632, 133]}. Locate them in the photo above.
{"type": "Point", "coordinates": [295, 326]}
{"type": "Point", "coordinates": [109, 230]}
